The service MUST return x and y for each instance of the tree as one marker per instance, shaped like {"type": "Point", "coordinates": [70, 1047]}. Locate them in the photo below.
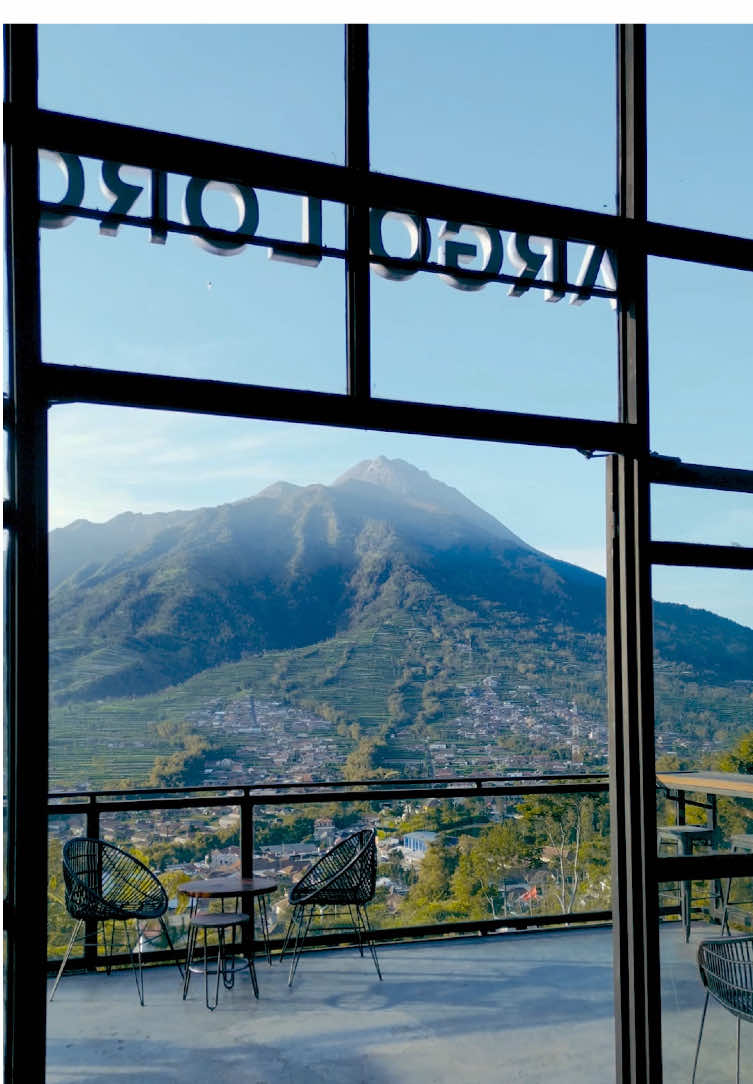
{"type": "Point", "coordinates": [573, 834]}
{"type": "Point", "coordinates": [736, 814]}
{"type": "Point", "coordinates": [482, 866]}
{"type": "Point", "coordinates": [430, 898]}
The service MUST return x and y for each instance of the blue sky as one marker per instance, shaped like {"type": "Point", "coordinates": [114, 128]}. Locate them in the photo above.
{"type": "Point", "coordinates": [522, 110]}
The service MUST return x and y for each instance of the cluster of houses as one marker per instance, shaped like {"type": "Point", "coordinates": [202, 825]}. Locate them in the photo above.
{"type": "Point", "coordinates": [273, 741]}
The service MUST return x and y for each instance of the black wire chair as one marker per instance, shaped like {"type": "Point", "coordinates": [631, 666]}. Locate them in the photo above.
{"type": "Point", "coordinates": [726, 967]}
{"type": "Point", "coordinates": [344, 878]}
{"type": "Point", "coordinates": [105, 884]}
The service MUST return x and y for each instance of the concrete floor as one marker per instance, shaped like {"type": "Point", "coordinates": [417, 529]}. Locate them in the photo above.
{"type": "Point", "coordinates": [517, 1008]}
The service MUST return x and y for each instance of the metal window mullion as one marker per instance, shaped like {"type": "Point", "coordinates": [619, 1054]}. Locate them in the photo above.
{"type": "Point", "coordinates": [630, 662]}
{"type": "Point", "coordinates": [28, 649]}
{"type": "Point", "coordinates": [357, 269]}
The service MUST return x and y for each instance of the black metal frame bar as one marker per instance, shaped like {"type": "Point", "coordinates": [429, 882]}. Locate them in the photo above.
{"type": "Point", "coordinates": [25, 907]}
{"type": "Point", "coordinates": [631, 471]}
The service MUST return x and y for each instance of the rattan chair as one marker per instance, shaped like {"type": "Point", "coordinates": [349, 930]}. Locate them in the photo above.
{"type": "Point", "coordinates": [345, 879]}
{"type": "Point", "coordinates": [105, 884]}
{"type": "Point", "coordinates": [726, 967]}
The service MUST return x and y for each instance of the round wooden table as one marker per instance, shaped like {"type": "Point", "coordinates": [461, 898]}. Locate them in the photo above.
{"type": "Point", "coordinates": [223, 888]}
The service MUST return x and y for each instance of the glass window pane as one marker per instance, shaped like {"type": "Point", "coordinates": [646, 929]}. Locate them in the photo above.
{"type": "Point", "coordinates": [506, 345]}
{"type": "Point", "coordinates": [308, 619]}
{"type": "Point", "coordinates": [276, 88]}
{"type": "Point", "coordinates": [683, 995]}
{"type": "Point", "coordinates": [714, 517]}
{"type": "Point", "coordinates": [264, 603]}
{"type": "Point", "coordinates": [263, 312]}
{"type": "Point", "coordinates": [700, 159]}
{"type": "Point", "coordinates": [704, 803]}
{"type": "Point", "coordinates": [524, 111]}
{"type": "Point", "coordinates": [701, 362]}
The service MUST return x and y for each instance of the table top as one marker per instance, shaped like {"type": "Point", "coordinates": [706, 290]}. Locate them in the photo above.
{"type": "Point", "coordinates": [220, 887]}
{"type": "Point", "coordinates": [727, 784]}
{"type": "Point", "coordinates": [686, 829]}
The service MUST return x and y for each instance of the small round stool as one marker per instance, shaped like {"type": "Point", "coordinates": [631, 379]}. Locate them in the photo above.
{"type": "Point", "coordinates": [684, 836]}
{"type": "Point", "coordinates": [226, 965]}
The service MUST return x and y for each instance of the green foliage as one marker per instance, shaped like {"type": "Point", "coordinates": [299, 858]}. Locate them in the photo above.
{"type": "Point", "coordinates": [430, 898]}
{"type": "Point", "coordinates": [185, 765]}
{"type": "Point", "coordinates": [736, 815]}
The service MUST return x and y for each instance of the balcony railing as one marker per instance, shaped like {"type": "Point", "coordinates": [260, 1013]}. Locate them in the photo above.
{"type": "Point", "coordinates": [92, 805]}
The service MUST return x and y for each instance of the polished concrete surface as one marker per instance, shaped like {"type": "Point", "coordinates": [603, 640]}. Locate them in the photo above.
{"type": "Point", "coordinates": [518, 1008]}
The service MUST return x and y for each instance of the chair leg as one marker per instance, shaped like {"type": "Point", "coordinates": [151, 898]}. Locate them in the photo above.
{"type": "Point", "coordinates": [300, 937]}
{"type": "Point", "coordinates": [355, 921]}
{"type": "Point", "coordinates": [135, 959]}
{"type": "Point", "coordinates": [108, 953]}
{"type": "Point", "coordinates": [288, 932]}
{"type": "Point", "coordinates": [76, 928]}
{"type": "Point", "coordinates": [190, 947]}
{"type": "Point", "coordinates": [166, 932]}
{"type": "Point", "coordinates": [700, 1035]}
{"type": "Point", "coordinates": [252, 973]}
{"type": "Point", "coordinates": [738, 1050]}
{"type": "Point", "coordinates": [363, 916]}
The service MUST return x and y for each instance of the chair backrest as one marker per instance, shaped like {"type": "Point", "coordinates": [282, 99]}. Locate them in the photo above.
{"type": "Point", "coordinates": [104, 882]}
{"type": "Point", "coordinates": [726, 966]}
{"type": "Point", "coordinates": [345, 874]}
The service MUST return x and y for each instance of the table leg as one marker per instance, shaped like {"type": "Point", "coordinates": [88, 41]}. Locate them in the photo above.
{"type": "Point", "coordinates": [264, 919]}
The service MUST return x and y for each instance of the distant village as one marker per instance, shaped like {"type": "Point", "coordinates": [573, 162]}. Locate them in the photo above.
{"type": "Point", "coordinates": [276, 742]}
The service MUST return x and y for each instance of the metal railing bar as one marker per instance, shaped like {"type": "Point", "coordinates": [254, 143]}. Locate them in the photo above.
{"type": "Point", "coordinates": [249, 789]}
{"type": "Point", "coordinates": [306, 798]}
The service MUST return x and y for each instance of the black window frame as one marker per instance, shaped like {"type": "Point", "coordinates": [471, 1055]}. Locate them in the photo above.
{"type": "Point", "coordinates": [631, 471]}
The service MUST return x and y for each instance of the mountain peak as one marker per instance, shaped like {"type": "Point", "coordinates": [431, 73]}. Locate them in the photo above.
{"type": "Point", "coordinates": [394, 474]}
{"type": "Point", "coordinates": [419, 488]}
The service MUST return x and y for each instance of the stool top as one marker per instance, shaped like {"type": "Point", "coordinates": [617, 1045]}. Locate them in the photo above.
{"type": "Point", "coordinates": [220, 887]}
{"type": "Point", "coordinates": [685, 830]}
{"type": "Point", "coordinates": [220, 919]}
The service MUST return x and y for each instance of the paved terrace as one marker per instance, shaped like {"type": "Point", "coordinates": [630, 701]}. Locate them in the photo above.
{"type": "Point", "coordinates": [510, 1009]}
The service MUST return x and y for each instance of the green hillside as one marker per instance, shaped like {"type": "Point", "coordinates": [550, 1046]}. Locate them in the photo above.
{"type": "Point", "coordinates": [379, 606]}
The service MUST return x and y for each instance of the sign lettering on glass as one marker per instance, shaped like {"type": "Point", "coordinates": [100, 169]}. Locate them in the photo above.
{"type": "Point", "coordinates": [460, 247]}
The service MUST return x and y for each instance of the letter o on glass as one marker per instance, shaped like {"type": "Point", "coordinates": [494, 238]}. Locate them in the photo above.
{"type": "Point", "coordinates": [245, 201]}
{"type": "Point", "coordinates": [420, 239]}
{"type": "Point", "coordinates": [73, 171]}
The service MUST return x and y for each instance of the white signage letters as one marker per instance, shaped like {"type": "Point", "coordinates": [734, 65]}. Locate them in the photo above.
{"type": "Point", "coordinates": [595, 259]}
{"type": "Point", "coordinates": [71, 168]}
{"type": "Point", "coordinates": [455, 254]}
{"type": "Point", "coordinates": [461, 247]}
{"type": "Point", "coordinates": [311, 234]}
{"type": "Point", "coordinates": [246, 204]}
{"type": "Point", "coordinates": [528, 263]}
{"type": "Point", "coordinates": [418, 232]}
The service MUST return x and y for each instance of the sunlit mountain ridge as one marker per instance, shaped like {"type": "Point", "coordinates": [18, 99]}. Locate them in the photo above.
{"type": "Point", "coordinates": [146, 601]}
